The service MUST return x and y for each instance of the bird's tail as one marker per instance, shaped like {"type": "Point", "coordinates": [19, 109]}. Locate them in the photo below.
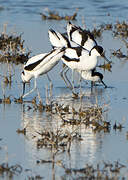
{"type": "Point", "coordinates": [73, 31]}
{"type": "Point", "coordinates": [57, 39]}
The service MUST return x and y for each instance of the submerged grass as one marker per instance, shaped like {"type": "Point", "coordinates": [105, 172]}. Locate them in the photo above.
{"type": "Point", "coordinates": [9, 171]}
{"type": "Point", "coordinates": [5, 100]}
{"type": "Point", "coordinates": [105, 170]}
{"type": "Point", "coordinates": [52, 15]}
{"type": "Point", "coordinates": [12, 48]}
{"type": "Point", "coordinates": [62, 138]}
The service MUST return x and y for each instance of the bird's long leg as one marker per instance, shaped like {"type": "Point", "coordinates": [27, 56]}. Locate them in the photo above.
{"type": "Point", "coordinates": [92, 84]}
{"type": "Point", "coordinates": [69, 85]}
{"type": "Point", "coordinates": [35, 86]}
{"type": "Point", "coordinates": [80, 80]}
{"type": "Point", "coordinates": [103, 83]}
{"type": "Point", "coordinates": [51, 87]}
{"type": "Point", "coordinates": [64, 77]}
{"type": "Point", "coordinates": [73, 81]}
{"type": "Point", "coordinates": [49, 80]}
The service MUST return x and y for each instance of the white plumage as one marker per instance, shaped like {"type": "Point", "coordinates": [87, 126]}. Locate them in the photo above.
{"type": "Point", "coordinates": [57, 39]}
{"type": "Point", "coordinates": [80, 37]}
{"type": "Point", "coordinates": [76, 58]}
{"type": "Point", "coordinates": [81, 50]}
{"type": "Point", "coordinates": [79, 59]}
{"type": "Point", "coordinates": [93, 76]}
{"type": "Point", "coordinates": [39, 65]}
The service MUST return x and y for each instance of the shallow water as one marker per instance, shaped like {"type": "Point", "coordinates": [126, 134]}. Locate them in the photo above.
{"type": "Point", "coordinates": [23, 17]}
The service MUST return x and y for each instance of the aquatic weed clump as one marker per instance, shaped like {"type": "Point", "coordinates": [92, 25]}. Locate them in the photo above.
{"type": "Point", "coordinates": [119, 54]}
{"type": "Point", "coordinates": [55, 16]}
{"type": "Point", "coordinates": [121, 29]}
{"type": "Point", "coordinates": [90, 116]}
{"type": "Point", "coordinates": [9, 171]}
{"type": "Point", "coordinates": [12, 49]}
{"type": "Point", "coordinates": [118, 29]}
{"type": "Point", "coordinates": [105, 170]}
{"type": "Point", "coordinates": [58, 140]}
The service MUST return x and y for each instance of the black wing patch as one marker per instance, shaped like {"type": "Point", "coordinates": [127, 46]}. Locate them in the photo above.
{"type": "Point", "coordinates": [68, 43]}
{"type": "Point", "coordinates": [30, 67]}
{"type": "Point", "coordinates": [53, 32]}
{"type": "Point", "coordinates": [84, 37]}
{"type": "Point", "coordinates": [66, 58]}
{"type": "Point", "coordinates": [78, 50]}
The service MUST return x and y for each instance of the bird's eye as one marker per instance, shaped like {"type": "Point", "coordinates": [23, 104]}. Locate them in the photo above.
{"type": "Point", "coordinates": [23, 73]}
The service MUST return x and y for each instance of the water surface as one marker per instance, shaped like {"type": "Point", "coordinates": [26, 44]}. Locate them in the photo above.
{"type": "Point", "coordinates": [24, 17]}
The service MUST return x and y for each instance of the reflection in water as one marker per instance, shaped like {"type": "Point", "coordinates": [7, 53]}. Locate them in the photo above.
{"type": "Point", "coordinates": [89, 97]}
{"type": "Point", "coordinates": [81, 151]}
{"type": "Point", "coordinates": [93, 146]}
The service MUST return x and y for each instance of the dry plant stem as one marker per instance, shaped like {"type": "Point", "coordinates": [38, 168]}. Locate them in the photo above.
{"type": "Point", "coordinates": [6, 157]}
{"type": "Point", "coordinates": [39, 97]}
{"type": "Point", "coordinates": [59, 112]}
{"type": "Point", "coordinates": [83, 22]}
{"type": "Point", "coordinates": [69, 143]}
{"type": "Point", "coordinates": [3, 89]}
{"type": "Point", "coordinates": [46, 94]}
{"type": "Point", "coordinates": [4, 29]}
{"type": "Point", "coordinates": [96, 100]}
{"type": "Point", "coordinates": [10, 75]}
{"type": "Point", "coordinates": [53, 166]}
{"type": "Point", "coordinates": [50, 92]}
{"type": "Point", "coordinates": [80, 102]}
{"type": "Point", "coordinates": [80, 88]}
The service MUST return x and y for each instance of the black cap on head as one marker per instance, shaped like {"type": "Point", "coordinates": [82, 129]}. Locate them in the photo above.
{"type": "Point", "coordinates": [100, 51]}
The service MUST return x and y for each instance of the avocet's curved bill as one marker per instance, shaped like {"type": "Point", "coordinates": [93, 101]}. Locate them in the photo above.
{"type": "Point", "coordinates": [93, 76]}
{"type": "Point", "coordinates": [103, 55]}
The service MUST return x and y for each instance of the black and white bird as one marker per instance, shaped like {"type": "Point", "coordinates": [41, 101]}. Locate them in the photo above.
{"type": "Point", "coordinates": [93, 76]}
{"type": "Point", "coordinates": [79, 37]}
{"type": "Point", "coordinates": [76, 58]}
{"type": "Point", "coordinates": [80, 59]}
{"type": "Point", "coordinates": [39, 65]}
{"type": "Point", "coordinates": [58, 40]}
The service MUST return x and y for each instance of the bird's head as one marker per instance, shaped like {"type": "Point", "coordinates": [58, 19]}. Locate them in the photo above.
{"type": "Point", "coordinates": [25, 78]}
{"type": "Point", "coordinates": [98, 51]}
